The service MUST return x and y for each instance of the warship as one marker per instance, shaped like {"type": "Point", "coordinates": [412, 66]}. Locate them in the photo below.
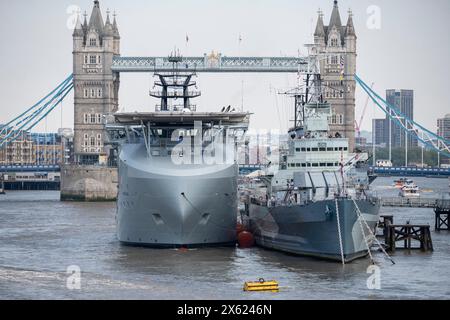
{"type": "Point", "coordinates": [177, 168]}
{"type": "Point", "coordinates": [314, 200]}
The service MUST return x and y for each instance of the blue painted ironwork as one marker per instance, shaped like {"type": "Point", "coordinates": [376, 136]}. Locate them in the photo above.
{"type": "Point", "coordinates": [245, 169]}
{"type": "Point", "coordinates": [211, 63]}
{"type": "Point", "coordinates": [30, 168]}
{"type": "Point", "coordinates": [410, 171]}
{"type": "Point", "coordinates": [428, 138]}
{"type": "Point", "coordinates": [34, 115]}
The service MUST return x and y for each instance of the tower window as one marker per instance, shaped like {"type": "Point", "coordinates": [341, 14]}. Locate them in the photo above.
{"type": "Point", "coordinates": [92, 141]}
{"type": "Point", "coordinates": [86, 59]}
{"type": "Point", "coordinates": [99, 59]}
{"type": "Point", "coordinates": [92, 93]}
{"type": "Point", "coordinates": [99, 93]}
{"type": "Point", "coordinates": [86, 120]}
{"type": "Point", "coordinates": [86, 93]}
{"type": "Point", "coordinates": [92, 42]}
{"type": "Point", "coordinates": [334, 59]}
{"type": "Point", "coordinates": [99, 118]}
{"type": "Point", "coordinates": [334, 42]}
{"type": "Point", "coordinates": [93, 59]}
{"type": "Point", "coordinates": [99, 140]}
{"type": "Point", "coordinates": [85, 143]}
{"type": "Point", "coordinates": [92, 118]}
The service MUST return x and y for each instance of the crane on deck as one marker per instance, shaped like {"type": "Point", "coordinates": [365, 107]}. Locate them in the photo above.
{"type": "Point", "coordinates": [359, 124]}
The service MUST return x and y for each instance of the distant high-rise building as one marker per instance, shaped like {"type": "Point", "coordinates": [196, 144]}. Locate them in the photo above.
{"type": "Point", "coordinates": [403, 100]}
{"type": "Point", "coordinates": [444, 132]}
{"type": "Point", "coordinates": [443, 125]}
{"type": "Point", "coordinates": [379, 131]}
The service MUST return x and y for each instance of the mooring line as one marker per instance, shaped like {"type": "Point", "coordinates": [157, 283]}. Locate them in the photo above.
{"type": "Point", "coordinates": [358, 211]}
{"type": "Point", "coordinates": [339, 232]}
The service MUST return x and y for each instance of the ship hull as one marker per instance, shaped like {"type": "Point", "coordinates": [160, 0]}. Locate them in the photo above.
{"type": "Point", "coordinates": [312, 229]}
{"type": "Point", "coordinates": [165, 206]}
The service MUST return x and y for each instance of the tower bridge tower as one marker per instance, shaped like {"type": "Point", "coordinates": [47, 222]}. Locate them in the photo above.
{"type": "Point", "coordinates": [338, 43]}
{"type": "Point", "coordinates": [96, 87]}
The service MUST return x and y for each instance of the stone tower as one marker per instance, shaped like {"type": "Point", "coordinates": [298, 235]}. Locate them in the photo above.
{"type": "Point", "coordinates": [96, 87]}
{"type": "Point", "coordinates": [337, 43]}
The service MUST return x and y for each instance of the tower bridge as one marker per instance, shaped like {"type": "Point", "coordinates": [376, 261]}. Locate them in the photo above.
{"type": "Point", "coordinates": [97, 64]}
{"type": "Point", "coordinates": [212, 63]}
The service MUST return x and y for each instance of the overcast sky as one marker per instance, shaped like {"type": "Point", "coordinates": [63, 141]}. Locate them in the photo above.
{"type": "Point", "coordinates": [410, 50]}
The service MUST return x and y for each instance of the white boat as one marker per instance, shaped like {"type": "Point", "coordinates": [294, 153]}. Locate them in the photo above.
{"type": "Point", "coordinates": [400, 183]}
{"type": "Point", "coordinates": [410, 190]}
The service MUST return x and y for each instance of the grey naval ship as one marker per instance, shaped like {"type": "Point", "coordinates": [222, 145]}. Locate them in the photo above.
{"type": "Point", "coordinates": [315, 199]}
{"type": "Point", "coordinates": [177, 169]}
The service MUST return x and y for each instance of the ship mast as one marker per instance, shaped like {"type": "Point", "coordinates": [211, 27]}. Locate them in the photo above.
{"type": "Point", "coordinates": [307, 94]}
{"type": "Point", "coordinates": [175, 85]}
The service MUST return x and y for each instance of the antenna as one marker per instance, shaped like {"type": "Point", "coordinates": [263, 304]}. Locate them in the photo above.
{"type": "Point", "coordinates": [242, 102]}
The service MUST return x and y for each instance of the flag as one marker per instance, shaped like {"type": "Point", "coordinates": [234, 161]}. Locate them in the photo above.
{"type": "Point", "coordinates": [187, 38]}
{"type": "Point", "coordinates": [240, 38]}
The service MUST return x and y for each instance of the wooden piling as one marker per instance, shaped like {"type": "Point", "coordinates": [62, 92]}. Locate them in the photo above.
{"type": "Point", "coordinates": [409, 233]}
{"type": "Point", "coordinates": [385, 220]}
{"type": "Point", "coordinates": [441, 219]}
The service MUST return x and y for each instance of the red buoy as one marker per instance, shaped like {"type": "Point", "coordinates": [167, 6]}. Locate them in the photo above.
{"type": "Point", "coordinates": [246, 239]}
{"type": "Point", "coordinates": [239, 228]}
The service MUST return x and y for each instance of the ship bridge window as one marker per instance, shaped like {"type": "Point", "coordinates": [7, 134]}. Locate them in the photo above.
{"type": "Point", "coordinates": [315, 149]}
{"type": "Point", "coordinates": [345, 148]}
{"type": "Point", "coordinates": [329, 149]}
{"type": "Point", "coordinates": [297, 149]}
{"type": "Point", "coordinates": [187, 133]}
{"type": "Point", "coordinates": [303, 165]}
{"type": "Point", "coordinates": [315, 164]}
{"type": "Point", "coordinates": [308, 149]}
{"type": "Point", "coordinates": [323, 164]}
{"type": "Point", "coordinates": [329, 164]}
{"type": "Point", "coordinates": [303, 149]}
{"type": "Point", "coordinates": [297, 165]}
{"type": "Point", "coordinates": [322, 149]}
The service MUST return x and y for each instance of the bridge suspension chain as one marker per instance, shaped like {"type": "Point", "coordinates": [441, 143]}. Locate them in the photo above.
{"type": "Point", "coordinates": [35, 114]}
{"type": "Point", "coordinates": [425, 136]}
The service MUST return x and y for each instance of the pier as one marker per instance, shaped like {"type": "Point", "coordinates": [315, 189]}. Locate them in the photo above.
{"type": "Point", "coordinates": [409, 233]}
{"type": "Point", "coordinates": [433, 203]}
{"type": "Point", "coordinates": [385, 220]}
{"type": "Point", "coordinates": [442, 217]}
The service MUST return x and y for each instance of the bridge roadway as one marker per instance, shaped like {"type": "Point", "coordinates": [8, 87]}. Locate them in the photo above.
{"type": "Point", "coordinates": [212, 63]}
{"type": "Point", "coordinates": [411, 171]}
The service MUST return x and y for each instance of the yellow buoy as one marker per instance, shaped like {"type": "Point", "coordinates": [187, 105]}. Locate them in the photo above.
{"type": "Point", "coordinates": [262, 285]}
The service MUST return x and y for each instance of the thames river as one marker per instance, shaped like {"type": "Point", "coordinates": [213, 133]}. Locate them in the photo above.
{"type": "Point", "coordinates": [40, 237]}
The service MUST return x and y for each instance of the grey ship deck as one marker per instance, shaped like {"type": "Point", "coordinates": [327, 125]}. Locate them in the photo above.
{"type": "Point", "coordinates": [166, 118]}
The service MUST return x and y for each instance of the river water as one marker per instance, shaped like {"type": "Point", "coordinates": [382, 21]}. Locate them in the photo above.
{"type": "Point", "coordinates": [40, 237]}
